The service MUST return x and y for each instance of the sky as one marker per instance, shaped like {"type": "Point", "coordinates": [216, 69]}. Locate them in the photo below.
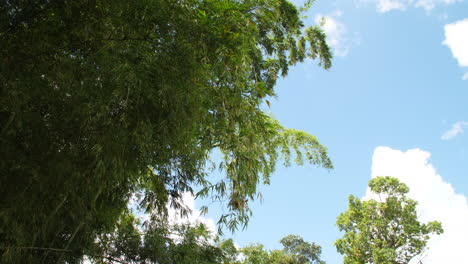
{"type": "Point", "coordinates": [394, 103]}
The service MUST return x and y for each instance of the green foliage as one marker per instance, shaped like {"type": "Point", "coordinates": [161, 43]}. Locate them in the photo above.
{"type": "Point", "coordinates": [295, 251]}
{"type": "Point", "coordinates": [301, 251]}
{"type": "Point", "coordinates": [255, 254]}
{"type": "Point", "coordinates": [162, 243]}
{"type": "Point", "coordinates": [385, 231]}
{"type": "Point", "coordinates": [156, 242]}
{"type": "Point", "coordinates": [104, 100]}
{"type": "Point", "coordinates": [230, 252]}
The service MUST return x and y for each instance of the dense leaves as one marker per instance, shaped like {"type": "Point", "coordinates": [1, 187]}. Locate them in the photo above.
{"type": "Point", "coordinates": [383, 231]}
{"type": "Point", "coordinates": [193, 244]}
{"type": "Point", "coordinates": [159, 242]}
{"type": "Point", "coordinates": [101, 101]}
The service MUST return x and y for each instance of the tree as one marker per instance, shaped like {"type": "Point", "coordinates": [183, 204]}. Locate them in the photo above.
{"type": "Point", "coordinates": [166, 243]}
{"type": "Point", "coordinates": [162, 243]}
{"type": "Point", "coordinates": [385, 231]}
{"type": "Point", "coordinates": [295, 251]}
{"type": "Point", "coordinates": [230, 252]}
{"type": "Point", "coordinates": [301, 251]}
{"type": "Point", "coordinates": [101, 101]}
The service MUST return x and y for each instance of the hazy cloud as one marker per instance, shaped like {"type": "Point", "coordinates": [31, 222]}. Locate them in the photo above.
{"type": "Point", "coordinates": [431, 4]}
{"type": "Point", "coordinates": [384, 6]}
{"type": "Point", "coordinates": [336, 32]}
{"type": "Point", "coordinates": [465, 76]}
{"type": "Point", "coordinates": [456, 129]}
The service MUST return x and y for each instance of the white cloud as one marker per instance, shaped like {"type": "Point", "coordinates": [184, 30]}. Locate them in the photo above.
{"type": "Point", "coordinates": [456, 38]}
{"type": "Point", "coordinates": [437, 200]}
{"type": "Point", "coordinates": [456, 129]}
{"type": "Point", "coordinates": [336, 32]}
{"type": "Point", "coordinates": [384, 6]}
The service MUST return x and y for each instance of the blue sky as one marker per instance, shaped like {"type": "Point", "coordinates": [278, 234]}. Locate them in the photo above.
{"type": "Point", "coordinates": [393, 83]}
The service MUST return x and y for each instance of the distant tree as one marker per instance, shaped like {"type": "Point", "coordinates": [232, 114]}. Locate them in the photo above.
{"type": "Point", "coordinates": [295, 251]}
{"type": "Point", "coordinates": [164, 243]}
{"type": "Point", "coordinates": [255, 254]}
{"type": "Point", "coordinates": [301, 251]}
{"type": "Point", "coordinates": [104, 100]}
{"type": "Point", "coordinates": [385, 231]}
{"type": "Point", "coordinates": [230, 252]}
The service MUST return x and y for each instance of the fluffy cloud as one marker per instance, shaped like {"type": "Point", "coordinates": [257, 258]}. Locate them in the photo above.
{"type": "Point", "coordinates": [384, 6]}
{"type": "Point", "coordinates": [456, 38]}
{"type": "Point", "coordinates": [336, 32]}
{"type": "Point", "coordinates": [437, 200]}
{"type": "Point", "coordinates": [456, 129]}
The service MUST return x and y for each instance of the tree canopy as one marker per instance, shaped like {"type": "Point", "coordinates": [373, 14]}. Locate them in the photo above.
{"type": "Point", "coordinates": [195, 244]}
{"type": "Point", "coordinates": [295, 251]}
{"type": "Point", "coordinates": [102, 101]}
{"type": "Point", "coordinates": [384, 231]}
